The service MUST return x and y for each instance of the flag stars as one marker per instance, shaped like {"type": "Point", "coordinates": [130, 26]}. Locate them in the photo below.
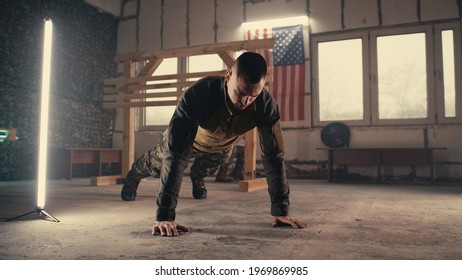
{"type": "Point", "coordinates": [288, 49]}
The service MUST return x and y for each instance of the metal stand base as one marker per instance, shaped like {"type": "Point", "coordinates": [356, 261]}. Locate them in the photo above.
{"type": "Point", "coordinates": [40, 213]}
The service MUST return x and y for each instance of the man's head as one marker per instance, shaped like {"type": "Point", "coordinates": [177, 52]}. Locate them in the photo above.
{"type": "Point", "coordinates": [246, 79]}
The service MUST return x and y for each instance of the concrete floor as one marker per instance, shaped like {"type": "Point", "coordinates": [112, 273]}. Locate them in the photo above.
{"type": "Point", "coordinates": [347, 222]}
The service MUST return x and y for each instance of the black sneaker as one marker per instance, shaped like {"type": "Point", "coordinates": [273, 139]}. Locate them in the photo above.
{"type": "Point", "coordinates": [199, 191]}
{"type": "Point", "coordinates": [128, 192]}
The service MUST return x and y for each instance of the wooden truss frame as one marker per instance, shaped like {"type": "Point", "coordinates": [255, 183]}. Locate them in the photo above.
{"type": "Point", "coordinates": [129, 92]}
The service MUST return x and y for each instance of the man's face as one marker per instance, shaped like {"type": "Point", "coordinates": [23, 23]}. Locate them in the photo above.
{"type": "Point", "coordinates": [240, 90]}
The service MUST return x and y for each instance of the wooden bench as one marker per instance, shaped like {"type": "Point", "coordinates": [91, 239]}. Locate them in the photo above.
{"type": "Point", "coordinates": [379, 157]}
{"type": "Point", "coordinates": [94, 156]}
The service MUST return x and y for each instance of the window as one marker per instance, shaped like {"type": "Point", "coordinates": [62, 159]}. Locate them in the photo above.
{"type": "Point", "coordinates": [340, 61]}
{"type": "Point", "coordinates": [340, 78]}
{"type": "Point", "coordinates": [160, 116]}
{"type": "Point", "coordinates": [387, 76]}
{"type": "Point", "coordinates": [202, 63]}
{"type": "Point", "coordinates": [402, 90]}
{"type": "Point", "coordinates": [402, 76]}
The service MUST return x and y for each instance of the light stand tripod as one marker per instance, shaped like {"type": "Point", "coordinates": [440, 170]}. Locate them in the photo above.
{"type": "Point", "coordinates": [40, 212]}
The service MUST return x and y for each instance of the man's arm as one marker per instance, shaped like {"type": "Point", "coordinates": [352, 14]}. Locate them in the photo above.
{"type": "Point", "coordinates": [273, 162]}
{"type": "Point", "coordinates": [193, 105]}
{"type": "Point", "coordinates": [272, 147]}
{"type": "Point", "coordinates": [180, 137]}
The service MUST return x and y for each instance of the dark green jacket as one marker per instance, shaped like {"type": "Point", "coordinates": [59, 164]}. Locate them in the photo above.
{"type": "Point", "coordinates": [196, 107]}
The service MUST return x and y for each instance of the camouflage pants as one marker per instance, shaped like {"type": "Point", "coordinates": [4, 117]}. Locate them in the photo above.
{"type": "Point", "coordinates": [237, 173]}
{"type": "Point", "coordinates": [204, 164]}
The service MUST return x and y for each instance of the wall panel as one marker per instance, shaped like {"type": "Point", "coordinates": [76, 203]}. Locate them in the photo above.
{"type": "Point", "coordinates": [441, 9]}
{"type": "Point", "coordinates": [399, 11]}
{"type": "Point", "coordinates": [360, 14]}
{"type": "Point", "coordinates": [149, 22]}
{"type": "Point", "coordinates": [270, 9]}
{"type": "Point", "coordinates": [174, 24]}
{"type": "Point", "coordinates": [229, 19]}
{"type": "Point", "coordinates": [325, 15]}
{"type": "Point", "coordinates": [200, 26]}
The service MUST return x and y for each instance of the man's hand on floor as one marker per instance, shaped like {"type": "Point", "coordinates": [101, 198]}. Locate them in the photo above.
{"type": "Point", "coordinates": [288, 221]}
{"type": "Point", "coordinates": [168, 228]}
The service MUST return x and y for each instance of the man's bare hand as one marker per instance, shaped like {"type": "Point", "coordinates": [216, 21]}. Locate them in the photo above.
{"type": "Point", "coordinates": [288, 221]}
{"type": "Point", "coordinates": [168, 228]}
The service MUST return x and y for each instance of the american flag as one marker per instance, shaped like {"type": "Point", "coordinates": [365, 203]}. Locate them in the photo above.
{"type": "Point", "coordinates": [288, 60]}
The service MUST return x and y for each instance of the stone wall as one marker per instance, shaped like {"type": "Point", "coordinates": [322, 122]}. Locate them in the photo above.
{"type": "Point", "coordinates": [84, 44]}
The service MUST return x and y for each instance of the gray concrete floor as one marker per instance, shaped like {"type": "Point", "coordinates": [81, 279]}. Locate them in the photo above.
{"type": "Point", "coordinates": [348, 221]}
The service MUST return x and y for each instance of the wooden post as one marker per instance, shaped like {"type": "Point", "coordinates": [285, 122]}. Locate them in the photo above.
{"type": "Point", "coordinates": [250, 157]}
{"type": "Point", "coordinates": [150, 67]}
{"type": "Point", "coordinates": [128, 130]}
{"type": "Point", "coordinates": [250, 183]}
{"type": "Point", "coordinates": [227, 59]}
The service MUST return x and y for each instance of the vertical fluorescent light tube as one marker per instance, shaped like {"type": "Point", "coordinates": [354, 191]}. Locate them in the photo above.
{"type": "Point", "coordinates": [43, 132]}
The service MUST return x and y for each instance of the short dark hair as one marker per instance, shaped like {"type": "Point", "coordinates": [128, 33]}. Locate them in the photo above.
{"type": "Point", "coordinates": [252, 65]}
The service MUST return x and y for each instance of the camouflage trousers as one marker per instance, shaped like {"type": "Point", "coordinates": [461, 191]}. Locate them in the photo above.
{"type": "Point", "coordinates": [238, 153]}
{"type": "Point", "coordinates": [204, 164]}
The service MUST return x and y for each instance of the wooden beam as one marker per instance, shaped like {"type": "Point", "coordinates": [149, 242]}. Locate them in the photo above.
{"type": "Point", "coordinates": [119, 97]}
{"type": "Point", "coordinates": [227, 59]}
{"type": "Point", "coordinates": [150, 67]}
{"type": "Point", "coordinates": [250, 183]}
{"type": "Point", "coordinates": [143, 87]}
{"type": "Point", "coordinates": [180, 84]}
{"type": "Point", "coordinates": [197, 50]}
{"type": "Point", "coordinates": [253, 185]}
{"type": "Point", "coordinates": [250, 156]}
{"type": "Point", "coordinates": [104, 180]}
{"type": "Point", "coordinates": [134, 104]}
{"type": "Point", "coordinates": [138, 80]}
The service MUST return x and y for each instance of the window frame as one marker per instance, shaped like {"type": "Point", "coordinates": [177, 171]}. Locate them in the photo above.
{"type": "Point", "coordinates": [434, 68]}
{"type": "Point", "coordinates": [315, 72]}
{"type": "Point", "coordinates": [374, 90]}
{"type": "Point", "coordinates": [142, 111]}
{"type": "Point", "coordinates": [439, 72]}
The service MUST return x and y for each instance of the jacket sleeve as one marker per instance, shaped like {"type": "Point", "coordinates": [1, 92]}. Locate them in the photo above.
{"type": "Point", "coordinates": [272, 147]}
{"type": "Point", "coordinates": [273, 163]}
{"type": "Point", "coordinates": [180, 138]}
{"type": "Point", "coordinates": [196, 104]}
